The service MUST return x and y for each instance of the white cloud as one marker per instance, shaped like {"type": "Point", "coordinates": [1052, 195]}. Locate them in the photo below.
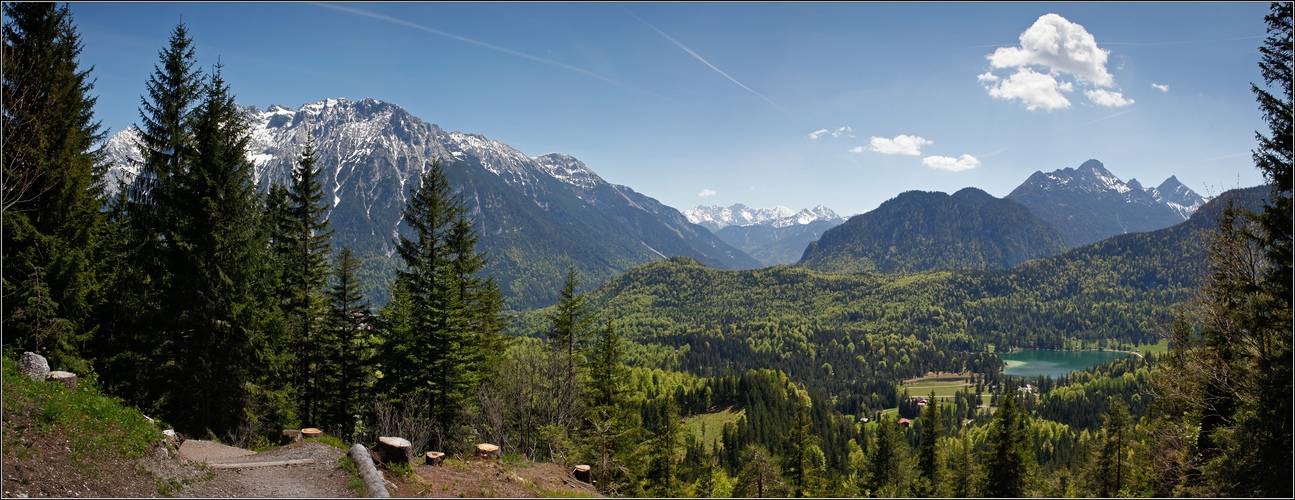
{"type": "Point", "coordinates": [1066, 53]}
{"type": "Point", "coordinates": [856, 149]}
{"type": "Point", "coordinates": [707, 192]}
{"type": "Point", "coordinates": [1034, 89]}
{"type": "Point", "coordinates": [839, 132]}
{"type": "Point", "coordinates": [1103, 97]}
{"type": "Point", "coordinates": [1162, 88]}
{"type": "Point", "coordinates": [1061, 45]}
{"type": "Point", "coordinates": [964, 162]}
{"type": "Point", "coordinates": [900, 145]}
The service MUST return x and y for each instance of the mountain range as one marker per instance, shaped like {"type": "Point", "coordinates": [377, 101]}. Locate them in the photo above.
{"type": "Point", "coordinates": [772, 236]}
{"type": "Point", "coordinates": [537, 215]}
{"type": "Point", "coordinates": [1090, 203]}
{"type": "Point", "coordinates": [534, 215]}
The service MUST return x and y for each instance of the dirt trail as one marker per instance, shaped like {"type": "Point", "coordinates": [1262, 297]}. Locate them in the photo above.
{"type": "Point", "coordinates": [321, 479]}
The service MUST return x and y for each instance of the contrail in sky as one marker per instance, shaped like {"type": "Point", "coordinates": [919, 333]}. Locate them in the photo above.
{"type": "Point", "coordinates": [433, 31]}
{"type": "Point", "coordinates": [704, 61]}
{"type": "Point", "coordinates": [1095, 121]}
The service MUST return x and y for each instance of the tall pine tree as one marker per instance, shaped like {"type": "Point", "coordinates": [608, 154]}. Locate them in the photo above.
{"type": "Point", "coordinates": [52, 199]}
{"type": "Point", "coordinates": [215, 249]}
{"type": "Point", "coordinates": [346, 347]}
{"type": "Point", "coordinates": [446, 324]}
{"type": "Point", "coordinates": [134, 345]}
{"type": "Point", "coordinates": [304, 278]}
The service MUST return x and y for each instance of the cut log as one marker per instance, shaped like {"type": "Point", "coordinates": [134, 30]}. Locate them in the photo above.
{"type": "Point", "coordinates": [372, 478]}
{"type": "Point", "coordinates": [66, 378]}
{"type": "Point", "coordinates": [433, 458]}
{"type": "Point", "coordinates": [311, 432]}
{"type": "Point", "coordinates": [582, 473]}
{"type": "Point", "coordinates": [394, 450]}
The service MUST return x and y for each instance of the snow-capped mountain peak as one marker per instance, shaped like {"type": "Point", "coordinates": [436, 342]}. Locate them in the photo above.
{"type": "Point", "coordinates": [715, 217]}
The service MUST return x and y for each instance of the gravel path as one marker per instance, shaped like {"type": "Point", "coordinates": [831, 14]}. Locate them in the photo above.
{"type": "Point", "coordinates": [321, 479]}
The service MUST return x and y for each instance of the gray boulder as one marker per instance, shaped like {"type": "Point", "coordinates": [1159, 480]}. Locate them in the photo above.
{"type": "Point", "coordinates": [34, 366]}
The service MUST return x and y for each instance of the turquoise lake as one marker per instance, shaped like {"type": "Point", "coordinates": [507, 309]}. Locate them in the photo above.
{"type": "Point", "coordinates": [1035, 362]}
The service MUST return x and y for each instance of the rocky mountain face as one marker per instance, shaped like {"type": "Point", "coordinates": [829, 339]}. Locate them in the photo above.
{"type": "Point", "coordinates": [1090, 203]}
{"type": "Point", "coordinates": [535, 216]}
{"type": "Point", "coordinates": [772, 236]}
{"type": "Point", "coordinates": [922, 231]}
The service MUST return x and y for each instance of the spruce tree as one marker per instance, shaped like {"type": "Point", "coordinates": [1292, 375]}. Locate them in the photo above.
{"type": "Point", "coordinates": [928, 458]}
{"type": "Point", "coordinates": [571, 326]}
{"type": "Point", "coordinates": [346, 347]}
{"type": "Point", "coordinates": [800, 472]}
{"type": "Point", "coordinates": [134, 345]}
{"type": "Point", "coordinates": [215, 249]}
{"type": "Point", "coordinates": [305, 276]}
{"type": "Point", "coordinates": [1009, 457]}
{"type": "Point", "coordinates": [52, 198]}
{"type": "Point", "coordinates": [446, 327]}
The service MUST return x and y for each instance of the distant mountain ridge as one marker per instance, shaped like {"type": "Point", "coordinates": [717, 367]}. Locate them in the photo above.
{"type": "Point", "coordinates": [715, 217]}
{"type": "Point", "coordinates": [772, 236]}
{"type": "Point", "coordinates": [922, 231]}
{"type": "Point", "coordinates": [534, 215]}
{"type": "Point", "coordinates": [1090, 203]}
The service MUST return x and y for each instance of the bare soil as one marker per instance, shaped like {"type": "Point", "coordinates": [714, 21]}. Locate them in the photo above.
{"type": "Point", "coordinates": [488, 478]}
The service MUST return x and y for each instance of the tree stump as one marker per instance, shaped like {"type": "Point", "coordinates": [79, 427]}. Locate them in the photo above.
{"type": "Point", "coordinates": [311, 432]}
{"type": "Point", "coordinates": [291, 436]}
{"type": "Point", "coordinates": [433, 458]}
{"type": "Point", "coordinates": [66, 378]}
{"type": "Point", "coordinates": [394, 450]}
{"type": "Point", "coordinates": [487, 451]}
{"type": "Point", "coordinates": [582, 473]}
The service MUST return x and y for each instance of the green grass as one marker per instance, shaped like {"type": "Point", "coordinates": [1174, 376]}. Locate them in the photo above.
{"type": "Point", "coordinates": [333, 441]}
{"type": "Point", "coordinates": [1160, 347]}
{"type": "Point", "coordinates": [942, 388]}
{"type": "Point", "coordinates": [94, 423]}
{"type": "Point", "coordinates": [708, 427]}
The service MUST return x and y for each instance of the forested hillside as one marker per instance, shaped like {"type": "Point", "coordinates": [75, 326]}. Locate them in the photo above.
{"type": "Point", "coordinates": [844, 333]}
{"type": "Point", "coordinates": [919, 231]}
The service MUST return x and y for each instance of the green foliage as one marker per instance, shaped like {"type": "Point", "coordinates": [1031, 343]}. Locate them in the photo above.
{"type": "Point", "coordinates": [346, 347]}
{"type": "Point", "coordinates": [53, 225]}
{"type": "Point", "coordinates": [1009, 456]}
{"type": "Point", "coordinates": [920, 231]}
{"type": "Point", "coordinates": [93, 423]}
{"type": "Point", "coordinates": [444, 318]}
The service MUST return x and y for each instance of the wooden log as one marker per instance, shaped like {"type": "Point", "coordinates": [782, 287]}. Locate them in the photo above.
{"type": "Point", "coordinates": [433, 458]}
{"type": "Point", "coordinates": [311, 432]}
{"type": "Point", "coordinates": [487, 451]}
{"type": "Point", "coordinates": [394, 450]}
{"type": "Point", "coordinates": [66, 378]}
{"type": "Point", "coordinates": [582, 473]}
{"type": "Point", "coordinates": [249, 465]}
{"type": "Point", "coordinates": [372, 478]}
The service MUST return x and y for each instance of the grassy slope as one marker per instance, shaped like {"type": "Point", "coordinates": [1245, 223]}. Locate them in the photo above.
{"type": "Point", "coordinates": [63, 443]}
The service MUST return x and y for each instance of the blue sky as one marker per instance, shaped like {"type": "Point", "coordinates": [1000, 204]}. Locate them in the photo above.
{"type": "Point", "coordinates": [793, 104]}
